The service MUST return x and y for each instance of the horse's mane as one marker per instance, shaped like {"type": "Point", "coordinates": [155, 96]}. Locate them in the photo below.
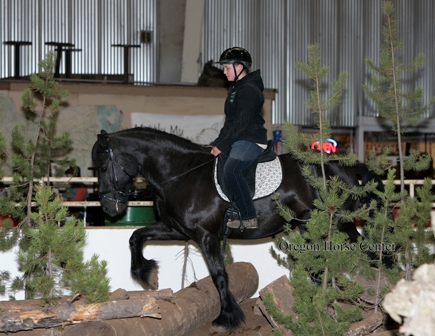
{"type": "Point", "coordinates": [162, 136]}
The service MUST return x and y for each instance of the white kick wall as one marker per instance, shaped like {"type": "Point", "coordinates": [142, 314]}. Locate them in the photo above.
{"type": "Point", "coordinates": [111, 244]}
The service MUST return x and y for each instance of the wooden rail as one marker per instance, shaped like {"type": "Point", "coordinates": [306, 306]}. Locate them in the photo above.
{"type": "Point", "coordinates": [410, 183]}
{"type": "Point", "coordinates": [84, 180]}
{"type": "Point", "coordinates": [84, 204]}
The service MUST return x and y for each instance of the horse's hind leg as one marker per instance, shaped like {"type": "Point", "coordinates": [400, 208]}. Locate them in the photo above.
{"type": "Point", "coordinates": [231, 315]}
{"type": "Point", "coordinates": [144, 270]}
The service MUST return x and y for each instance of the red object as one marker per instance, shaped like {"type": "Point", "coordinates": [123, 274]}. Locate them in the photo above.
{"type": "Point", "coordinates": [328, 146]}
{"type": "Point", "coordinates": [8, 217]}
{"type": "Point", "coordinates": [80, 194]}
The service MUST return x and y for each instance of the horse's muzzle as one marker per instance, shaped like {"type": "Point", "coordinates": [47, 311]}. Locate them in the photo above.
{"type": "Point", "coordinates": [114, 209]}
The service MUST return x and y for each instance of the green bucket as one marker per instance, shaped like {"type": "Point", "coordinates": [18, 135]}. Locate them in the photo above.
{"type": "Point", "coordinates": [133, 216]}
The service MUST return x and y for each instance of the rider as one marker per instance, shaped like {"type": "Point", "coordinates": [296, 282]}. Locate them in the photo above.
{"type": "Point", "coordinates": [243, 137]}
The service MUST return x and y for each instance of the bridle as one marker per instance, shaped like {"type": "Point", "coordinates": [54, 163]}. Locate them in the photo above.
{"type": "Point", "coordinates": [116, 190]}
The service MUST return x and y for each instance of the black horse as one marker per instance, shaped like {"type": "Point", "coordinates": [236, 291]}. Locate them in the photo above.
{"type": "Point", "coordinates": [187, 203]}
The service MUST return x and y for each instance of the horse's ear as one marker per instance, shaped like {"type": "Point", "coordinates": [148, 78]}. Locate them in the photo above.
{"type": "Point", "coordinates": [103, 139]}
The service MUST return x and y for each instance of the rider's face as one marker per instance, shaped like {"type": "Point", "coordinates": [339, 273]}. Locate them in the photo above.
{"type": "Point", "coordinates": [229, 71]}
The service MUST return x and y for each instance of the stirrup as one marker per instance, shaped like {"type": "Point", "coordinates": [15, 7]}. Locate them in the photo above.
{"type": "Point", "coordinates": [232, 213]}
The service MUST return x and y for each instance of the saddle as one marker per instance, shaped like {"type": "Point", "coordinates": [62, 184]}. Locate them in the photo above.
{"type": "Point", "coordinates": [264, 176]}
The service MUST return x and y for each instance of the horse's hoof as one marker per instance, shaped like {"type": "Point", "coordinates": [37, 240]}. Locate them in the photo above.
{"type": "Point", "coordinates": [153, 280]}
{"type": "Point", "coordinates": [146, 273]}
{"type": "Point", "coordinates": [229, 321]}
{"type": "Point", "coordinates": [147, 279]}
{"type": "Point", "coordinates": [217, 330]}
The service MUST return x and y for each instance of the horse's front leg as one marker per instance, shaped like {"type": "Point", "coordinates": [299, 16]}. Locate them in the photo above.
{"type": "Point", "coordinates": [142, 269]}
{"type": "Point", "coordinates": [231, 315]}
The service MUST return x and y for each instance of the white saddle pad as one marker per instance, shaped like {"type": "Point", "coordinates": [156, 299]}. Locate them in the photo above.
{"type": "Point", "coordinates": [268, 177]}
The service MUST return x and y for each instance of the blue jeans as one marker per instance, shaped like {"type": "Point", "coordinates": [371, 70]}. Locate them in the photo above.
{"type": "Point", "coordinates": [242, 155]}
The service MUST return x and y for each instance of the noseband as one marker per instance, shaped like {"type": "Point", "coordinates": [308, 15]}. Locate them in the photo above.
{"type": "Point", "coordinates": [116, 190]}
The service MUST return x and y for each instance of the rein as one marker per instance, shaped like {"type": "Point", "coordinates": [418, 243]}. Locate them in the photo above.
{"type": "Point", "coordinates": [188, 171]}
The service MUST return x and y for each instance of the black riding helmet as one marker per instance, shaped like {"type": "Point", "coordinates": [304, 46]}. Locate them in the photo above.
{"type": "Point", "coordinates": [236, 55]}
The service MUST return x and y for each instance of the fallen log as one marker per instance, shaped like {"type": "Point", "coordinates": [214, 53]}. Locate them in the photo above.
{"type": "Point", "coordinates": [162, 294]}
{"type": "Point", "coordinates": [366, 325]}
{"type": "Point", "coordinates": [180, 314]}
{"type": "Point", "coordinates": [119, 294]}
{"type": "Point", "coordinates": [190, 308]}
{"type": "Point", "coordinates": [66, 313]}
{"type": "Point", "coordinates": [283, 299]}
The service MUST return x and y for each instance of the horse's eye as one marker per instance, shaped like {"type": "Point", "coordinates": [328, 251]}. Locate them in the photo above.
{"type": "Point", "coordinates": [103, 169]}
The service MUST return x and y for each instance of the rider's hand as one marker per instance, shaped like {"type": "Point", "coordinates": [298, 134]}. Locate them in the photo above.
{"type": "Point", "coordinates": [215, 151]}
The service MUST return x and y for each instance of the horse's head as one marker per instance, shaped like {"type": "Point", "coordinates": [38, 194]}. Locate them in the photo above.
{"type": "Point", "coordinates": [116, 170]}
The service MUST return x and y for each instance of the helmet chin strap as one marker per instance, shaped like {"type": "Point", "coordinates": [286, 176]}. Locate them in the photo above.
{"type": "Point", "coordinates": [237, 74]}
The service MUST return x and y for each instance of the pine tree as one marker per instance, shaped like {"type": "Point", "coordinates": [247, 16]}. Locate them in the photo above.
{"type": "Point", "coordinates": [379, 232]}
{"type": "Point", "coordinates": [392, 101]}
{"type": "Point", "coordinates": [320, 106]}
{"type": "Point", "coordinates": [33, 158]}
{"type": "Point", "coordinates": [320, 258]}
{"type": "Point", "coordinates": [53, 257]}
{"type": "Point", "coordinates": [50, 257]}
{"type": "Point", "coordinates": [401, 107]}
{"type": "Point", "coordinates": [8, 236]}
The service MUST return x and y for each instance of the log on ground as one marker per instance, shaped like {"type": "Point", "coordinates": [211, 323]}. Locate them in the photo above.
{"type": "Point", "coordinates": [282, 293]}
{"type": "Point", "coordinates": [181, 313]}
{"type": "Point", "coordinates": [15, 320]}
{"type": "Point", "coordinates": [117, 295]}
{"type": "Point", "coordinates": [191, 307]}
